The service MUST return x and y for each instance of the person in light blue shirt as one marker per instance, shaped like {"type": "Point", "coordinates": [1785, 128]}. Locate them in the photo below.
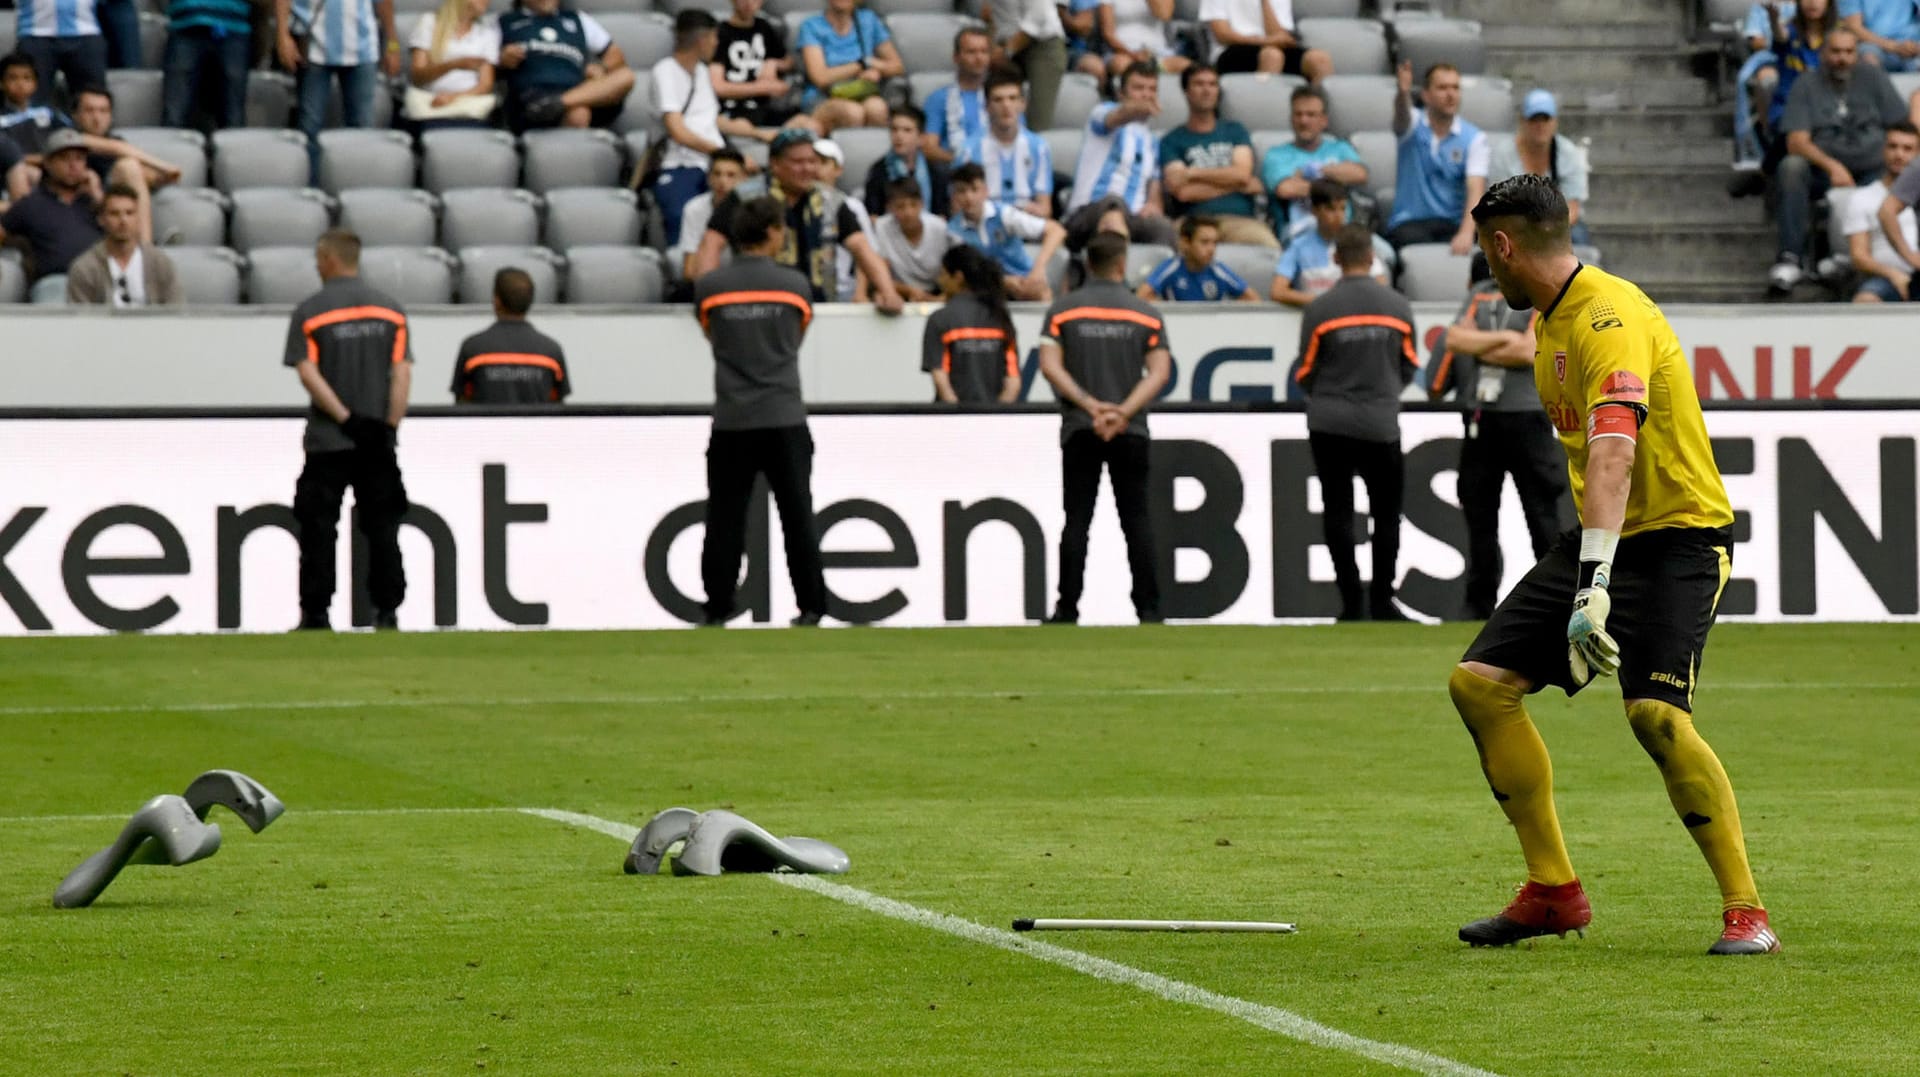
{"type": "Point", "coordinates": [1289, 170]}
{"type": "Point", "coordinates": [63, 36]}
{"type": "Point", "coordinates": [1307, 268]}
{"type": "Point", "coordinates": [957, 113]}
{"type": "Point", "coordinates": [1442, 163]}
{"type": "Point", "coordinates": [1002, 232]}
{"type": "Point", "coordinates": [1120, 159]}
{"type": "Point", "coordinates": [1192, 276]}
{"type": "Point", "coordinates": [1018, 163]}
{"type": "Point", "coordinates": [1889, 31]}
{"type": "Point", "coordinates": [343, 43]}
{"type": "Point", "coordinates": [845, 52]}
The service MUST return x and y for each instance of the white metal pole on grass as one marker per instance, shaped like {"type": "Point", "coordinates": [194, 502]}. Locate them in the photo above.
{"type": "Point", "coordinates": [1255, 926]}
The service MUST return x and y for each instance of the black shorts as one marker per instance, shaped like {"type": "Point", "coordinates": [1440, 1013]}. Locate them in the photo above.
{"type": "Point", "coordinates": [1245, 59]}
{"type": "Point", "coordinates": [1665, 587]}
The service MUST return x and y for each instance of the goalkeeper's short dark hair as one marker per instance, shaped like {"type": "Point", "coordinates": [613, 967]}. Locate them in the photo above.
{"type": "Point", "coordinates": [1532, 200]}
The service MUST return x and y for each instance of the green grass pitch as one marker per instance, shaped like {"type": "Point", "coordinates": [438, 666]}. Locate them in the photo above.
{"type": "Point", "coordinates": [1316, 775]}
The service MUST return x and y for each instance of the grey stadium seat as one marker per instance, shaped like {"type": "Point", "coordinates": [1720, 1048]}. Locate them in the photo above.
{"type": "Point", "coordinates": [891, 8]}
{"type": "Point", "coordinates": [275, 217]}
{"type": "Point", "coordinates": [210, 276]}
{"type": "Point", "coordinates": [365, 157]}
{"type": "Point", "coordinates": [751, 148]}
{"type": "Point", "coordinates": [1079, 93]}
{"type": "Point", "coordinates": [777, 9]}
{"type": "Point", "coordinates": [1326, 9]}
{"type": "Point", "coordinates": [862, 147]}
{"type": "Point", "coordinates": [1259, 102]}
{"type": "Point", "coordinates": [414, 275]}
{"type": "Point", "coordinates": [468, 158]}
{"type": "Point", "coordinates": [637, 113]}
{"type": "Point", "coordinates": [571, 157]}
{"type": "Point", "coordinates": [921, 84]}
{"type": "Point", "coordinates": [479, 264]}
{"type": "Point", "coordinates": [1357, 46]}
{"type": "Point", "coordinates": [1255, 264]}
{"type": "Point", "coordinates": [269, 99]}
{"type": "Point", "coordinates": [1173, 104]}
{"type": "Point", "coordinates": [1432, 272]}
{"type": "Point", "coordinates": [644, 37]}
{"type": "Point", "coordinates": [1426, 42]}
{"type": "Point", "coordinates": [136, 97]}
{"type": "Point", "coordinates": [246, 157]}
{"type": "Point", "coordinates": [281, 275]}
{"type": "Point", "coordinates": [636, 145]}
{"type": "Point", "coordinates": [1359, 103]}
{"type": "Point", "coordinates": [925, 40]}
{"type": "Point", "coordinates": [1264, 141]}
{"type": "Point", "coordinates": [609, 274]}
{"type": "Point", "coordinates": [1064, 145]}
{"type": "Point", "coordinates": [182, 148]}
{"type": "Point", "coordinates": [394, 218]}
{"type": "Point", "coordinates": [1905, 83]}
{"type": "Point", "coordinates": [13, 279]}
{"type": "Point", "coordinates": [489, 217]}
{"type": "Point", "coordinates": [190, 216]}
{"type": "Point", "coordinates": [1487, 102]}
{"type": "Point", "coordinates": [1380, 152]}
{"type": "Point", "coordinates": [588, 216]}
{"type": "Point", "coordinates": [1141, 258]}
{"type": "Point", "coordinates": [9, 29]}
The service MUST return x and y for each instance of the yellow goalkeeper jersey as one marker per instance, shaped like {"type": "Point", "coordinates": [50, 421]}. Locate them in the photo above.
{"type": "Point", "coordinates": [1604, 342]}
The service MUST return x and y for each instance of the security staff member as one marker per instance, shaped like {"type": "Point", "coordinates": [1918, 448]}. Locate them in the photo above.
{"type": "Point", "coordinates": [755, 312]}
{"type": "Point", "coordinates": [1356, 354]}
{"type": "Point", "coordinates": [511, 362]}
{"type": "Point", "coordinates": [1486, 360]}
{"type": "Point", "coordinates": [349, 343]}
{"type": "Point", "coordinates": [1105, 352]}
{"type": "Point", "coordinates": [969, 346]}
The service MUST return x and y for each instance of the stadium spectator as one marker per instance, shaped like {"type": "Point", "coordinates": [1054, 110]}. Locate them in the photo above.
{"type": "Point", "coordinates": [957, 113]}
{"type": "Point", "coordinates": [1106, 354]}
{"type": "Point", "coordinates": [61, 36]}
{"type": "Point", "coordinates": [1120, 158]}
{"type": "Point", "coordinates": [1885, 274]}
{"type": "Point", "coordinates": [342, 44]}
{"type": "Point", "coordinates": [1017, 162]}
{"type": "Point", "coordinates": [913, 241]}
{"type": "Point", "coordinates": [563, 68]}
{"type": "Point", "coordinates": [453, 58]}
{"type": "Point", "coordinates": [1135, 32]}
{"type": "Point", "coordinates": [755, 313]}
{"type": "Point", "coordinates": [969, 346]}
{"type": "Point", "coordinates": [848, 286]}
{"type": "Point", "coordinates": [1002, 232]}
{"type": "Point", "coordinates": [1835, 125]}
{"type": "Point", "coordinates": [111, 158]}
{"type": "Point", "coordinates": [819, 221]}
{"type": "Point", "coordinates": [120, 25]}
{"type": "Point", "coordinates": [1889, 32]}
{"type": "Point", "coordinates": [122, 270]}
{"type": "Point", "coordinates": [1086, 49]}
{"type": "Point", "coordinates": [1895, 215]}
{"type": "Point", "coordinates": [1356, 355]}
{"type": "Point", "coordinates": [349, 343]}
{"type": "Point", "coordinates": [1206, 164]}
{"type": "Point", "coordinates": [1028, 34]}
{"type": "Point", "coordinates": [1539, 147]}
{"type": "Point", "coordinates": [1799, 34]}
{"type": "Point", "coordinates": [1753, 85]}
{"type": "Point", "coordinates": [59, 219]}
{"type": "Point", "coordinates": [1307, 267]}
{"type": "Point", "coordinates": [690, 113]}
{"type": "Point", "coordinates": [207, 41]}
{"type": "Point", "coordinates": [847, 54]}
{"type": "Point", "coordinates": [726, 167]}
{"type": "Point", "coordinates": [511, 362]}
{"type": "Point", "coordinates": [26, 124]}
{"type": "Point", "coordinates": [14, 181]}
{"type": "Point", "coordinates": [1258, 35]}
{"type": "Point", "coordinates": [907, 157]}
{"type": "Point", "coordinates": [1442, 163]}
{"type": "Point", "coordinates": [750, 70]}
{"type": "Point", "coordinates": [1290, 169]}
{"type": "Point", "coordinates": [1192, 276]}
{"type": "Point", "coordinates": [1485, 359]}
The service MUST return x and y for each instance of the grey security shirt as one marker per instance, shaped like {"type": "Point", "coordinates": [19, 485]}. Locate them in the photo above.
{"type": "Point", "coordinates": [755, 313]}
{"type": "Point", "coordinates": [1481, 386]}
{"type": "Point", "coordinates": [1104, 332]}
{"type": "Point", "coordinates": [357, 334]}
{"type": "Point", "coordinates": [1848, 122]}
{"type": "Point", "coordinates": [1356, 354]}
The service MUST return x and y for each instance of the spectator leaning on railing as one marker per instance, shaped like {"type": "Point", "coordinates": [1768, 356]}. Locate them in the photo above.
{"type": "Point", "coordinates": [1539, 147]}
{"type": "Point", "coordinates": [1886, 276]}
{"type": "Point", "coordinates": [1442, 163]}
{"type": "Point", "coordinates": [913, 241]}
{"type": "Point", "coordinates": [1290, 169]}
{"type": "Point", "coordinates": [1206, 164]}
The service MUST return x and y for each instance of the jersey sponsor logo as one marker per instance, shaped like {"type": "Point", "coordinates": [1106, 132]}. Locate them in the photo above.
{"type": "Point", "coordinates": [1565, 419]}
{"type": "Point", "coordinates": [548, 33]}
{"type": "Point", "coordinates": [1560, 367]}
{"type": "Point", "coordinates": [1624, 387]}
{"type": "Point", "coordinates": [1669, 678]}
{"type": "Point", "coordinates": [1605, 324]}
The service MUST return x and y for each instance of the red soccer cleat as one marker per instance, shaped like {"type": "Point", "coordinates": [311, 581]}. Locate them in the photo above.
{"type": "Point", "coordinates": [1747, 932]}
{"type": "Point", "coordinates": [1537, 910]}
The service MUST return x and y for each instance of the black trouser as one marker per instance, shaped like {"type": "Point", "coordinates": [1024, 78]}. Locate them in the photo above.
{"type": "Point", "coordinates": [784, 454]}
{"type": "Point", "coordinates": [1428, 230]}
{"type": "Point", "coordinates": [1126, 459]}
{"type": "Point", "coordinates": [1498, 444]}
{"type": "Point", "coordinates": [1337, 460]}
{"type": "Point", "coordinates": [380, 500]}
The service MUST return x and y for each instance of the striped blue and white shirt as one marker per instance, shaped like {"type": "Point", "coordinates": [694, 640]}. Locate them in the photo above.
{"type": "Point", "coordinates": [1002, 234]}
{"type": "Point", "coordinates": [58, 18]}
{"type": "Point", "coordinates": [1016, 173]}
{"type": "Point", "coordinates": [955, 116]}
{"type": "Point", "coordinates": [1119, 161]}
{"type": "Point", "coordinates": [344, 35]}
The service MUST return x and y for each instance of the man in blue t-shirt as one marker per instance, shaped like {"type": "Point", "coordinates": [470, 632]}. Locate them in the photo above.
{"type": "Point", "coordinates": [1313, 154]}
{"type": "Point", "coordinates": [1192, 276]}
{"type": "Point", "coordinates": [957, 112]}
{"type": "Point", "coordinates": [1206, 164]}
{"type": "Point", "coordinates": [562, 68]}
{"type": "Point", "coordinates": [1889, 31]}
{"type": "Point", "coordinates": [846, 53]}
{"type": "Point", "coordinates": [1442, 163]}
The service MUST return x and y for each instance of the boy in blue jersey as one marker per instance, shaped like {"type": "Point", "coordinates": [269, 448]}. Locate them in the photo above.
{"type": "Point", "coordinates": [1002, 232]}
{"type": "Point", "coordinates": [1192, 276]}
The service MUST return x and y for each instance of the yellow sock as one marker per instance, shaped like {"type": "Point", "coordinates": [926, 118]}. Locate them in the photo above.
{"type": "Point", "coordinates": [1701, 795]}
{"type": "Point", "coordinates": [1514, 759]}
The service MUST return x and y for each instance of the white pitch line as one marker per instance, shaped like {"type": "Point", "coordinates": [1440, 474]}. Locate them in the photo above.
{"type": "Point", "coordinates": [1435, 688]}
{"type": "Point", "coordinates": [1272, 1018]}
{"type": "Point", "coordinates": [303, 813]}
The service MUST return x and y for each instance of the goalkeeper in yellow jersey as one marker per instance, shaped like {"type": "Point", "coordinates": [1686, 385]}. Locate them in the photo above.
{"type": "Point", "coordinates": [1632, 593]}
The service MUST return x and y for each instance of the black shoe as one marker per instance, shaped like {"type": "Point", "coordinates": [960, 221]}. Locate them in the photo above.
{"type": "Point", "coordinates": [807, 619]}
{"type": "Point", "coordinates": [1388, 612]}
{"type": "Point", "coordinates": [1151, 617]}
{"type": "Point", "coordinates": [1747, 184]}
{"type": "Point", "coordinates": [386, 621]}
{"type": "Point", "coordinates": [710, 619]}
{"type": "Point", "coordinates": [1063, 617]}
{"type": "Point", "coordinates": [545, 111]}
{"type": "Point", "coordinates": [314, 624]}
{"type": "Point", "coordinates": [1351, 611]}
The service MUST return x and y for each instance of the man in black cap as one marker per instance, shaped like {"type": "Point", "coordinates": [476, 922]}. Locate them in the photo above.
{"type": "Point", "coordinates": [60, 219]}
{"type": "Point", "coordinates": [511, 362]}
{"type": "Point", "coordinates": [755, 313]}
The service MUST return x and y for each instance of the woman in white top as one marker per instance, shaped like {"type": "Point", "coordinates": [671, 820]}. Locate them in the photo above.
{"type": "Point", "coordinates": [454, 52]}
{"type": "Point", "coordinates": [1136, 32]}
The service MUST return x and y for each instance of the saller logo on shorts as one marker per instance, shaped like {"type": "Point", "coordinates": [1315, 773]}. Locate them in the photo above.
{"type": "Point", "coordinates": [1624, 387]}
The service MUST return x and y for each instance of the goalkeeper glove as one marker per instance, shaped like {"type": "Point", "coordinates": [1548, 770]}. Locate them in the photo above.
{"type": "Point", "coordinates": [1590, 650]}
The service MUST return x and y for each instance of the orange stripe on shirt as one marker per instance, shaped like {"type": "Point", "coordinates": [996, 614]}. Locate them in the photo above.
{"type": "Point", "coordinates": [948, 338]}
{"type": "Point", "coordinates": [726, 299]}
{"type": "Point", "coordinates": [1446, 357]}
{"type": "Point", "coordinates": [1106, 314]}
{"type": "Point", "coordinates": [1355, 321]}
{"type": "Point", "coordinates": [355, 314]}
{"type": "Point", "coordinates": [517, 359]}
